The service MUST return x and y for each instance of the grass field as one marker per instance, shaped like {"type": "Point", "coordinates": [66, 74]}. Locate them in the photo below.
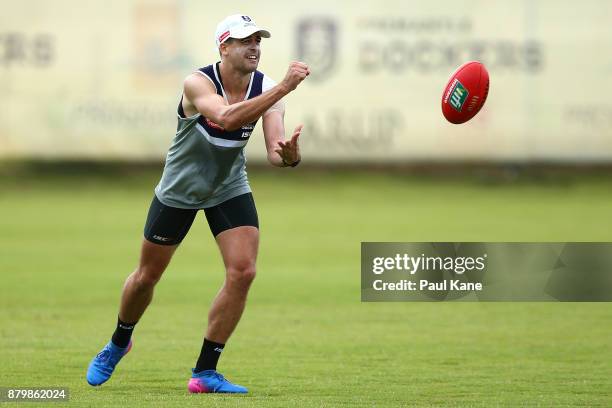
{"type": "Point", "coordinates": [68, 241]}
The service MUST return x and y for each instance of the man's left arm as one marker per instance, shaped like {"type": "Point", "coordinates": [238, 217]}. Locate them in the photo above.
{"type": "Point", "coordinates": [281, 152]}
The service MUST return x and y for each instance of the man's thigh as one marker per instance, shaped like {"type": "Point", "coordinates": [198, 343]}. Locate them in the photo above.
{"type": "Point", "coordinates": [236, 212]}
{"type": "Point", "coordinates": [235, 225]}
{"type": "Point", "coordinates": [239, 247]}
{"type": "Point", "coordinates": [167, 225]}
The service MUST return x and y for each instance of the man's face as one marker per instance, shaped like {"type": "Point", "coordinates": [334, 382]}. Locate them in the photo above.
{"type": "Point", "coordinates": [243, 53]}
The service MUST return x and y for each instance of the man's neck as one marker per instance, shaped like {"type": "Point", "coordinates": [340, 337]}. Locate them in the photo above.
{"type": "Point", "coordinates": [234, 82]}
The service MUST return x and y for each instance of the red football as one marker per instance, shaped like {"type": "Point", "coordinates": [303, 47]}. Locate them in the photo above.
{"type": "Point", "coordinates": [466, 92]}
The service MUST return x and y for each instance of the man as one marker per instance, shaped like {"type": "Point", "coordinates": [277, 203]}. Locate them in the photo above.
{"type": "Point", "coordinates": [205, 169]}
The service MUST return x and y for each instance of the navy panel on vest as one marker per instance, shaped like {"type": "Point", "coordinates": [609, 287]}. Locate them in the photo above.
{"type": "Point", "coordinates": [217, 131]}
{"type": "Point", "coordinates": [257, 86]}
{"type": "Point", "coordinates": [210, 72]}
{"type": "Point", "coordinates": [180, 109]}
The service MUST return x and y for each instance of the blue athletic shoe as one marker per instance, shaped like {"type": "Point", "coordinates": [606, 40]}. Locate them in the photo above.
{"type": "Point", "coordinates": [102, 366]}
{"type": "Point", "coordinates": [212, 381]}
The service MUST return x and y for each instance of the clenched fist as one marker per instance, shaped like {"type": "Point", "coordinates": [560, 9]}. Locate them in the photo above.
{"type": "Point", "coordinates": [296, 73]}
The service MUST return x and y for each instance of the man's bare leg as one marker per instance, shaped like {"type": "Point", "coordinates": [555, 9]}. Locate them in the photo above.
{"type": "Point", "coordinates": [136, 296]}
{"type": "Point", "coordinates": [238, 247]}
{"type": "Point", "coordinates": [139, 286]}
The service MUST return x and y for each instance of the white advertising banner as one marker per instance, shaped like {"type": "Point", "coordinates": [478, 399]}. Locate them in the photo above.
{"type": "Point", "coordinates": [102, 79]}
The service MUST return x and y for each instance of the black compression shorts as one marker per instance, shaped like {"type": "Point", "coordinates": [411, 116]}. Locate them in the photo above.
{"type": "Point", "coordinates": [169, 225]}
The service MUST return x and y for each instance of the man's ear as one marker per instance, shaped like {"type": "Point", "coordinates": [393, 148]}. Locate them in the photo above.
{"type": "Point", "coordinates": [223, 47]}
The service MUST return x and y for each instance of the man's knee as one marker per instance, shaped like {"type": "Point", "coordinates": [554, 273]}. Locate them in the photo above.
{"type": "Point", "coordinates": [154, 259]}
{"type": "Point", "coordinates": [148, 276]}
{"type": "Point", "coordinates": [241, 275]}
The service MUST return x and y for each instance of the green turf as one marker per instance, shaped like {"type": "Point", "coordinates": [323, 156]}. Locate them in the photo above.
{"type": "Point", "coordinates": [67, 243]}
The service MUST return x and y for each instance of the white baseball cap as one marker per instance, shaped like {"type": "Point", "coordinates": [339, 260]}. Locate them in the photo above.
{"type": "Point", "coordinates": [237, 26]}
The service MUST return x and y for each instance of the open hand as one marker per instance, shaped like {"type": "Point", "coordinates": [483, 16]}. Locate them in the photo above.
{"type": "Point", "coordinates": [289, 150]}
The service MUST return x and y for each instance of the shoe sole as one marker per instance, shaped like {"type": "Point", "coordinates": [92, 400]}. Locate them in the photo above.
{"type": "Point", "coordinates": [196, 387]}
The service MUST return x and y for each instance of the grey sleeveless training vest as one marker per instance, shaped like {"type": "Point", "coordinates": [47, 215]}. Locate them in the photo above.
{"type": "Point", "coordinates": [205, 165]}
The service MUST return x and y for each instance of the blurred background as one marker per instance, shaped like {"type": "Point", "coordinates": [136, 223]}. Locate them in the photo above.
{"type": "Point", "coordinates": [88, 111]}
{"type": "Point", "coordinates": [102, 79]}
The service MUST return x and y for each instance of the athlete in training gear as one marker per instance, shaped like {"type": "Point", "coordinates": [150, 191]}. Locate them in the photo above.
{"type": "Point", "coordinates": [205, 169]}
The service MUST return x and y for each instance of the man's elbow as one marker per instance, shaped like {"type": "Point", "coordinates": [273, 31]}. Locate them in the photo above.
{"type": "Point", "coordinates": [228, 122]}
{"type": "Point", "coordinates": [224, 118]}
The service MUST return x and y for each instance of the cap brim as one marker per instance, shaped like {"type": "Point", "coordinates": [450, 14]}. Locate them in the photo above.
{"type": "Point", "coordinates": [250, 31]}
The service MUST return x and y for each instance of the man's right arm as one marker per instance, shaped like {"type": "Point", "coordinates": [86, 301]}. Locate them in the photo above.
{"type": "Point", "coordinates": [201, 93]}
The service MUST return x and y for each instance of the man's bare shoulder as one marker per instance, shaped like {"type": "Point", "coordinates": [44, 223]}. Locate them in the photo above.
{"type": "Point", "coordinates": [198, 82]}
